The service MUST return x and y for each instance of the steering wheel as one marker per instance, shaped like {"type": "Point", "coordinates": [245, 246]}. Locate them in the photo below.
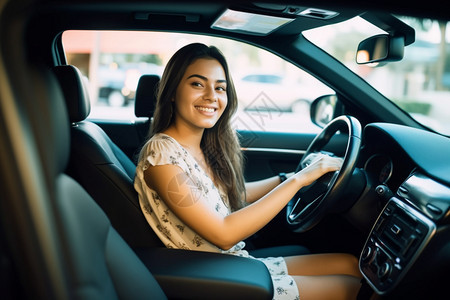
{"type": "Point", "coordinates": [311, 203]}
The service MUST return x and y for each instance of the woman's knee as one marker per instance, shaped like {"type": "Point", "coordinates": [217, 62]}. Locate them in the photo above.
{"type": "Point", "coordinates": [350, 265]}
{"type": "Point", "coordinates": [323, 264]}
{"type": "Point", "coordinates": [329, 287]}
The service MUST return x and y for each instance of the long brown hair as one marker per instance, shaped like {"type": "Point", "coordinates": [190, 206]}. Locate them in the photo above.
{"type": "Point", "coordinates": [220, 144]}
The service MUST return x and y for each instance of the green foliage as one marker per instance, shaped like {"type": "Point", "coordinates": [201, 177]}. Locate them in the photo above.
{"type": "Point", "coordinates": [413, 106]}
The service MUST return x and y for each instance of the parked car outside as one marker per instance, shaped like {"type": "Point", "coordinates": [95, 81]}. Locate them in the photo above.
{"type": "Point", "coordinates": [278, 92]}
{"type": "Point", "coordinates": [117, 83]}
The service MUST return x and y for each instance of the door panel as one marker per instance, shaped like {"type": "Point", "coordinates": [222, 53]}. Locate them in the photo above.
{"type": "Point", "coordinates": [265, 162]}
{"type": "Point", "coordinates": [266, 153]}
{"type": "Point", "coordinates": [269, 153]}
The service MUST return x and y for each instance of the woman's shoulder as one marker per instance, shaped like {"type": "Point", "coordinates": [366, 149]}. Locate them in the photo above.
{"type": "Point", "coordinates": [162, 140]}
{"type": "Point", "coordinates": [162, 149]}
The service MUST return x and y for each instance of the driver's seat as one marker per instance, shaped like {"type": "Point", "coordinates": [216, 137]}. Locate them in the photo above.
{"type": "Point", "coordinates": [107, 174]}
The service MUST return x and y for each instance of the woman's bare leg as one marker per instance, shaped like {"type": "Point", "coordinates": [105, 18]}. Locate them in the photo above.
{"type": "Point", "coordinates": [325, 276]}
{"type": "Point", "coordinates": [328, 287]}
{"type": "Point", "coordinates": [323, 264]}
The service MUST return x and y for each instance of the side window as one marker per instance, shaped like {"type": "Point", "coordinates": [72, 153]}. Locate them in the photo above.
{"type": "Point", "coordinates": [273, 94]}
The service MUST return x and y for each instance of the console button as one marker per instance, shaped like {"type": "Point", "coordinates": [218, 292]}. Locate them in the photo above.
{"type": "Point", "coordinates": [385, 270]}
{"type": "Point", "coordinates": [367, 254]}
{"type": "Point", "coordinates": [396, 229]}
{"type": "Point", "coordinates": [435, 210]}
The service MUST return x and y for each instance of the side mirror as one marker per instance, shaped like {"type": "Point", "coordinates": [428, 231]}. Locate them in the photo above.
{"type": "Point", "coordinates": [323, 109]}
{"type": "Point", "coordinates": [380, 48]}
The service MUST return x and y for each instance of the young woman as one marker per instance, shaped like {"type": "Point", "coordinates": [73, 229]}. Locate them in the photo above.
{"type": "Point", "coordinates": [191, 185]}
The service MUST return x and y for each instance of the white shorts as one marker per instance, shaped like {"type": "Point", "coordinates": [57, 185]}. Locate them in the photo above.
{"type": "Point", "coordinates": [284, 286]}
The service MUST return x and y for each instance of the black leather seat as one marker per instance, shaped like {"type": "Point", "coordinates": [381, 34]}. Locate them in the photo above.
{"type": "Point", "coordinates": [101, 167]}
{"type": "Point", "coordinates": [98, 264]}
{"type": "Point", "coordinates": [145, 103]}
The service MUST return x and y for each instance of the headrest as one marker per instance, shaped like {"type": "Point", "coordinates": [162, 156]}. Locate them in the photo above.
{"type": "Point", "coordinates": [51, 124]}
{"type": "Point", "coordinates": [144, 105]}
{"type": "Point", "coordinates": [75, 92]}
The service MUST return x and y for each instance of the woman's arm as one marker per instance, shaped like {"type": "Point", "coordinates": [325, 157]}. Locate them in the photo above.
{"type": "Point", "coordinates": [257, 189]}
{"type": "Point", "coordinates": [183, 197]}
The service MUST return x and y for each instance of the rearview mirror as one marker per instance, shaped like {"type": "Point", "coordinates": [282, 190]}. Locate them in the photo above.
{"type": "Point", "coordinates": [380, 48]}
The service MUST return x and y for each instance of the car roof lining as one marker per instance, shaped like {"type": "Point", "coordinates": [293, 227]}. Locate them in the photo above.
{"type": "Point", "coordinates": [176, 17]}
{"type": "Point", "coordinates": [195, 17]}
{"type": "Point", "coordinates": [432, 9]}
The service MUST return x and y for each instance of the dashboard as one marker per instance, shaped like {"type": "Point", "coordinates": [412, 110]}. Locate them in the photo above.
{"type": "Point", "coordinates": [380, 166]}
{"type": "Point", "coordinates": [411, 167]}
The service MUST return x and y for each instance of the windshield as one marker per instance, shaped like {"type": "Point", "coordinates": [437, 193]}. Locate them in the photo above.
{"type": "Point", "coordinates": [419, 84]}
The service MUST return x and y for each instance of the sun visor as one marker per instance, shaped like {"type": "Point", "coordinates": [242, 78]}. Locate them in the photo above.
{"type": "Point", "coordinates": [249, 23]}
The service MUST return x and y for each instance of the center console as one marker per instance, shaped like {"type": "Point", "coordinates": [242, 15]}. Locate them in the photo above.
{"type": "Point", "coordinates": [398, 237]}
{"type": "Point", "coordinates": [396, 240]}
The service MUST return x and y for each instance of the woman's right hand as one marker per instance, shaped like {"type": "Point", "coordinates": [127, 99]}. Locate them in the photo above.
{"type": "Point", "coordinates": [318, 165]}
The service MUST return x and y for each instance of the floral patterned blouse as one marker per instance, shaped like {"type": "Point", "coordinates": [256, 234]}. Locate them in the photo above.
{"type": "Point", "coordinates": [162, 149]}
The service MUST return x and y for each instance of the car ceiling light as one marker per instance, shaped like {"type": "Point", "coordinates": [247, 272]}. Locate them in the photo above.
{"type": "Point", "coordinates": [318, 13]}
{"type": "Point", "coordinates": [249, 23]}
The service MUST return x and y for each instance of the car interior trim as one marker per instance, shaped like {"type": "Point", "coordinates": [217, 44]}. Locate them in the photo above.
{"type": "Point", "coordinates": [215, 276]}
{"type": "Point", "coordinates": [274, 150]}
{"type": "Point", "coordinates": [427, 195]}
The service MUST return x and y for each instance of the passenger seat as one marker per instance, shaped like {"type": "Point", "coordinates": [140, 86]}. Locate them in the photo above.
{"type": "Point", "coordinates": [101, 167]}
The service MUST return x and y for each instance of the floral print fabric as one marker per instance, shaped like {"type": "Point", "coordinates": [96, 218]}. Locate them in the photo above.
{"type": "Point", "coordinates": [162, 149]}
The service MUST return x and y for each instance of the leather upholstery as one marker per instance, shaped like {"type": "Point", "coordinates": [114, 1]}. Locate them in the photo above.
{"type": "Point", "coordinates": [207, 275]}
{"type": "Point", "coordinates": [144, 105]}
{"type": "Point", "coordinates": [75, 92]}
{"type": "Point", "coordinates": [103, 170]}
{"type": "Point", "coordinates": [98, 264]}
{"type": "Point", "coordinates": [101, 264]}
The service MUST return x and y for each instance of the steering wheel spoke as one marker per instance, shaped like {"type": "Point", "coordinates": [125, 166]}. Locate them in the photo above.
{"type": "Point", "coordinates": [300, 209]}
{"type": "Point", "coordinates": [311, 203]}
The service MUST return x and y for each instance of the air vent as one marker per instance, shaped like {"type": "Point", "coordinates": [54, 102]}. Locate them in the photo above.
{"type": "Point", "coordinates": [318, 13]}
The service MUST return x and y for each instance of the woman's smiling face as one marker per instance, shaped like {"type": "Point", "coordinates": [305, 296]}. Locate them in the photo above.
{"type": "Point", "coordinates": [201, 95]}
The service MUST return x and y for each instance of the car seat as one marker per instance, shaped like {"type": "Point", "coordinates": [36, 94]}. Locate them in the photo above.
{"type": "Point", "coordinates": [100, 166]}
{"type": "Point", "coordinates": [98, 264]}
